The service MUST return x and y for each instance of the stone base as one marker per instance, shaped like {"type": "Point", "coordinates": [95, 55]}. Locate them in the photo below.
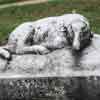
{"type": "Point", "coordinates": [50, 88]}
{"type": "Point", "coordinates": [60, 75]}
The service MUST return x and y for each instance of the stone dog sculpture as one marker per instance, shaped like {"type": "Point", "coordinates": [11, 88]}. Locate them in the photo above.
{"type": "Point", "coordinates": [48, 34]}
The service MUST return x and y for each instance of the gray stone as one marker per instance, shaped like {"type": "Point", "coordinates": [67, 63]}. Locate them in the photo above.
{"type": "Point", "coordinates": [60, 75]}
{"type": "Point", "coordinates": [3, 64]}
{"type": "Point", "coordinates": [30, 37]}
{"type": "Point", "coordinates": [46, 88]}
{"type": "Point", "coordinates": [60, 62]}
{"type": "Point", "coordinates": [90, 59]}
{"type": "Point", "coordinates": [53, 64]}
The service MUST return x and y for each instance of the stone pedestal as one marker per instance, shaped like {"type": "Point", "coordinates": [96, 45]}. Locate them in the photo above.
{"type": "Point", "coordinates": [59, 75]}
{"type": "Point", "coordinates": [51, 88]}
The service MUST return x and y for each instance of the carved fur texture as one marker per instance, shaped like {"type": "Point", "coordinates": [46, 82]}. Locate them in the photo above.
{"type": "Point", "coordinates": [47, 34]}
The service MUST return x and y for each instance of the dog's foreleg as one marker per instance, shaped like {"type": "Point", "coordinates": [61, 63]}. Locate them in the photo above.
{"type": "Point", "coordinates": [37, 49]}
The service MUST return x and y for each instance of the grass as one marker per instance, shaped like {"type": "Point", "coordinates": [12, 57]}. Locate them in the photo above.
{"type": "Point", "coordinates": [13, 16]}
{"type": "Point", "coordinates": [7, 1]}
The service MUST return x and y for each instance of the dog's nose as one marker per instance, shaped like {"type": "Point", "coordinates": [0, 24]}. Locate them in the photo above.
{"type": "Point", "coordinates": [76, 46]}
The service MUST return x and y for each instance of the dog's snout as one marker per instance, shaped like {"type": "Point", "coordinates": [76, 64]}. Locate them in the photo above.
{"type": "Point", "coordinates": [76, 43]}
{"type": "Point", "coordinates": [76, 47]}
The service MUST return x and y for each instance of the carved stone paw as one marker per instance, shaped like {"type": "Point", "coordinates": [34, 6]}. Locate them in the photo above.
{"type": "Point", "coordinates": [4, 53]}
{"type": "Point", "coordinates": [42, 50]}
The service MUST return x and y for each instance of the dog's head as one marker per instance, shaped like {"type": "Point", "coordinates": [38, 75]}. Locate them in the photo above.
{"type": "Point", "coordinates": [79, 34]}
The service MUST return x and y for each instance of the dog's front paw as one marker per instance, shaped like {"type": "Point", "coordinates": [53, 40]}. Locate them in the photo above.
{"type": "Point", "coordinates": [4, 53]}
{"type": "Point", "coordinates": [43, 50]}
{"type": "Point", "coordinates": [46, 51]}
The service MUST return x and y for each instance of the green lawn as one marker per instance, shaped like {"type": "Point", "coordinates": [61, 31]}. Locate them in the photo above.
{"type": "Point", "coordinates": [7, 1]}
{"type": "Point", "coordinates": [11, 17]}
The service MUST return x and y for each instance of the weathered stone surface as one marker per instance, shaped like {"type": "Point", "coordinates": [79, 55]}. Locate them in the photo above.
{"type": "Point", "coordinates": [69, 88]}
{"type": "Point", "coordinates": [90, 59]}
{"type": "Point", "coordinates": [55, 63]}
{"type": "Point", "coordinates": [3, 64]}
{"type": "Point", "coordinates": [60, 62]}
{"type": "Point", "coordinates": [60, 75]}
{"type": "Point", "coordinates": [36, 89]}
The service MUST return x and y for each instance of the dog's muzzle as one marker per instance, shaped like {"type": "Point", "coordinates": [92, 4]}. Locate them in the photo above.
{"type": "Point", "coordinates": [76, 42]}
{"type": "Point", "coordinates": [76, 46]}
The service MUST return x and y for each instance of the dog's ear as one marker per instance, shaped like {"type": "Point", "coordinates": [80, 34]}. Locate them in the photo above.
{"type": "Point", "coordinates": [29, 40]}
{"type": "Point", "coordinates": [89, 32]}
{"type": "Point", "coordinates": [89, 28]}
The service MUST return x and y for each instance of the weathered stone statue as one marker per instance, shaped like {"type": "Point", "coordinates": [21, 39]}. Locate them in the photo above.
{"type": "Point", "coordinates": [48, 34]}
{"type": "Point", "coordinates": [61, 51]}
